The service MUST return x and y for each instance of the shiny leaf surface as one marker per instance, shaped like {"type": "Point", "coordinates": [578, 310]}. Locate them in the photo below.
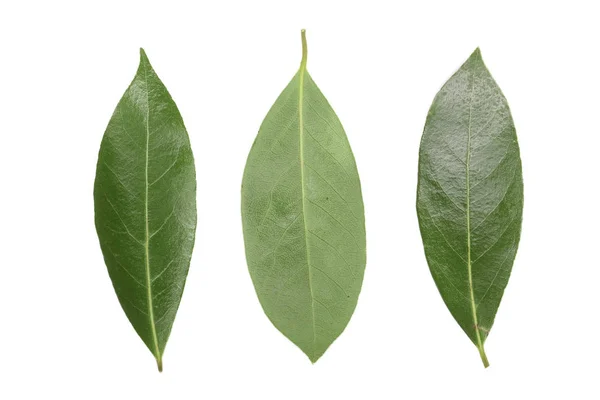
{"type": "Point", "coordinates": [303, 218]}
{"type": "Point", "coordinates": [470, 196]}
{"type": "Point", "coordinates": [145, 206]}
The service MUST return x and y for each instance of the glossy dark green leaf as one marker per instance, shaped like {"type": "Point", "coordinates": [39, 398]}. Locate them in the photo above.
{"type": "Point", "coordinates": [303, 218]}
{"type": "Point", "coordinates": [145, 205]}
{"type": "Point", "coordinates": [470, 196]}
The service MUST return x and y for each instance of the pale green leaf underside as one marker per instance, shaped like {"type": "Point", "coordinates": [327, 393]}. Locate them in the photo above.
{"type": "Point", "coordinates": [470, 196]}
{"type": "Point", "coordinates": [303, 219]}
{"type": "Point", "coordinates": [145, 206]}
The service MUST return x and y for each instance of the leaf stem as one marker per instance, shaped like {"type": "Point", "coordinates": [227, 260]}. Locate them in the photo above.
{"type": "Point", "coordinates": [304, 49]}
{"type": "Point", "coordinates": [486, 363]}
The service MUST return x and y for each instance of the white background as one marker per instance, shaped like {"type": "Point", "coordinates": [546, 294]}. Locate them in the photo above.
{"type": "Point", "coordinates": [63, 68]}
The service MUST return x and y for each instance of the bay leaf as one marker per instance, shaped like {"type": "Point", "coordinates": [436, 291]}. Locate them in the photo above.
{"type": "Point", "coordinates": [145, 206]}
{"type": "Point", "coordinates": [470, 196]}
{"type": "Point", "coordinates": [303, 217]}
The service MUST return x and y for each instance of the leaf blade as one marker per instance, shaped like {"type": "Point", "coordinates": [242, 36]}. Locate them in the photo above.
{"type": "Point", "coordinates": [146, 234]}
{"type": "Point", "coordinates": [470, 196]}
{"type": "Point", "coordinates": [298, 223]}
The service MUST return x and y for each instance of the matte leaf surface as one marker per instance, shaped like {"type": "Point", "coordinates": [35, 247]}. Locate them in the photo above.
{"type": "Point", "coordinates": [303, 218]}
{"type": "Point", "coordinates": [145, 205]}
{"type": "Point", "coordinates": [470, 196]}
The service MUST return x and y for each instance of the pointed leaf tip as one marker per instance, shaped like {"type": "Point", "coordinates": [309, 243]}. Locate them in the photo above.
{"type": "Point", "coordinates": [313, 359]}
{"type": "Point", "coordinates": [143, 56]}
{"type": "Point", "coordinates": [476, 55]}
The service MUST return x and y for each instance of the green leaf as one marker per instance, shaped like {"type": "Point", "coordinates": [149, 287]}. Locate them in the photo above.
{"type": "Point", "coordinates": [470, 196]}
{"type": "Point", "coordinates": [145, 205]}
{"type": "Point", "coordinates": [303, 218]}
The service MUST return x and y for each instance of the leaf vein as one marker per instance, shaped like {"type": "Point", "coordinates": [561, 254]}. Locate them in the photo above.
{"type": "Point", "coordinates": [165, 172]}
{"type": "Point", "coordinates": [512, 182]}
{"type": "Point", "coordinates": [334, 189]}
{"type": "Point", "coordinates": [163, 271]}
{"type": "Point", "coordinates": [122, 222]}
{"type": "Point", "coordinates": [444, 237]}
{"type": "Point", "coordinates": [327, 152]}
{"type": "Point", "coordinates": [498, 239]}
{"type": "Point", "coordinates": [335, 219]}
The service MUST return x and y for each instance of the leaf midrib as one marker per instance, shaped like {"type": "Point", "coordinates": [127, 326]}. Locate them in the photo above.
{"type": "Point", "coordinates": [147, 228]}
{"type": "Point", "coordinates": [468, 217]}
{"type": "Point", "coordinates": [301, 73]}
